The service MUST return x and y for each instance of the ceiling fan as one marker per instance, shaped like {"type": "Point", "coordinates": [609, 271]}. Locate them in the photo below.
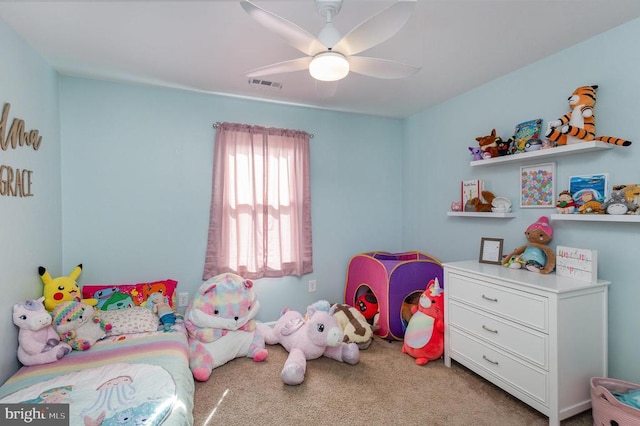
{"type": "Point", "coordinates": [330, 57]}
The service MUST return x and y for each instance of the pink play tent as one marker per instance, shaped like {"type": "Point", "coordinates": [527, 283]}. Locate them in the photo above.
{"type": "Point", "coordinates": [392, 278]}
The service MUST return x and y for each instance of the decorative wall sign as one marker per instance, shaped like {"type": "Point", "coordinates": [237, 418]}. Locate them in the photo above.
{"type": "Point", "coordinates": [16, 182]}
{"type": "Point", "coordinates": [580, 264]}
{"type": "Point", "coordinates": [537, 185]}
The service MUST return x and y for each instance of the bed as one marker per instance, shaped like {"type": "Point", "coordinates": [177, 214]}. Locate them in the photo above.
{"type": "Point", "coordinates": [141, 378]}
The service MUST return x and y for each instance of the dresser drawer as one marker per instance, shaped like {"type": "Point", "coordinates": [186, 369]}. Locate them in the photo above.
{"type": "Point", "coordinates": [510, 370]}
{"type": "Point", "coordinates": [522, 341]}
{"type": "Point", "coordinates": [519, 306]}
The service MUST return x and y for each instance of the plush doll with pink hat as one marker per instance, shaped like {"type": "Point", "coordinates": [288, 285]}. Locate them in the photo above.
{"type": "Point", "coordinates": [536, 256]}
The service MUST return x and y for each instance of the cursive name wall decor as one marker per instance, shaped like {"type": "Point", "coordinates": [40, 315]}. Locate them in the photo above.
{"type": "Point", "coordinates": [16, 182]}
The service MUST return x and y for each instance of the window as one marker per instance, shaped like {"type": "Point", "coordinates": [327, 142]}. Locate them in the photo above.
{"type": "Point", "coordinates": [260, 219]}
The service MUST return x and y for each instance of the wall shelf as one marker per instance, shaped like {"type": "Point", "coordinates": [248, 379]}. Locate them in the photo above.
{"type": "Point", "coordinates": [483, 214]}
{"type": "Point", "coordinates": [597, 217]}
{"type": "Point", "coordinates": [550, 152]}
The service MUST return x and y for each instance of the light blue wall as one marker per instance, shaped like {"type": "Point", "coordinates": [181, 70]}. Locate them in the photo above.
{"type": "Point", "coordinates": [29, 227]}
{"type": "Point", "coordinates": [137, 165]}
{"type": "Point", "coordinates": [436, 159]}
{"type": "Point", "coordinates": [136, 175]}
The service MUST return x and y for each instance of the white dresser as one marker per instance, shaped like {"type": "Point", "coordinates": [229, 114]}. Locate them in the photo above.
{"type": "Point", "coordinates": [538, 337]}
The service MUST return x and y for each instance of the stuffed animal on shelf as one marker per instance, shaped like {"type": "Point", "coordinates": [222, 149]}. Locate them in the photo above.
{"type": "Point", "coordinates": [306, 339]}
{"type": "Point", "coordinates": [536, 256]}
{"type": "Point", "coordinates": [221, 325]}
{"type": "Point", "coordinates": [478, 204]}
{"type": "Point", "coordinates": [424, 337]}
{"type": "Point", "coordinates": [38, 342]}
{"type": "Point", "coordinates": [354, 325]}
{"type": "Point", "coordinates": [489, 145]}
{"type": "Point", "coordinates": [565, 204]}
{"type": "Point", "coordinates": [62, 289]}
{"type": "Point", "coordinates": [476, 153]}
{"type": "Point", "coordinates": [617, 204]}
{"type": "Point", "coordinates": [79, 325]}
{"type": "Point", "coordinates": [588, 203]}
{"type": "Point", "coordinates": [579, 125]}
{"type": "Point", "coordinates": [159, 304]}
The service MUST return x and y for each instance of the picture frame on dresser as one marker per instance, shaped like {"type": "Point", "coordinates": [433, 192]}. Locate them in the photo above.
{"type": "Point", "coordinates": [537, 185]}
{"type": "Point", "coordinates": [491, 250]}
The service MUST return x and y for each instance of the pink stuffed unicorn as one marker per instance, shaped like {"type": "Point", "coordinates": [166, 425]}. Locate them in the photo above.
{"type": "Point", "coordinates": [38, 342]}
{"type": "Point", "coordinates": [424, 337]}
{"type": "Point", "coordinates": [306, 339]}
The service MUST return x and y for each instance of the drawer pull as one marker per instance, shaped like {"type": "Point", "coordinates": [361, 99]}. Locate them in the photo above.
{"type": "Point", "coordinates": [487, 359]}
{"type": "Point", "coordinates": [489, 298]}
{"type": "Point", "coordinates": [489, 330]}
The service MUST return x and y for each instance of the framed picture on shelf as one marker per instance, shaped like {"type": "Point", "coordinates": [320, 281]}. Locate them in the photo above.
{"type": "Point", "coordinates": [491, 250]}
{"type": "Point", "coordinates": [537, 185]}
{"type": "Point", "coordinates": [587, 188]}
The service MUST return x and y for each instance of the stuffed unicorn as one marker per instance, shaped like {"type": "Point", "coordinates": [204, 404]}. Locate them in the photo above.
{"type": "Point", "coordinates": [424, 337]}
{"type": "Point", "coordinates": [306, 339]}
{"type": "Point", "coordinates": [221, 325]}
{"type": "Point", "coordinates": [38, 342]}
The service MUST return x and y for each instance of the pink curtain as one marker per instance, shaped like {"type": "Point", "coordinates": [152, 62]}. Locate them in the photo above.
{"type": "Point", "coordinates": [260, 219]}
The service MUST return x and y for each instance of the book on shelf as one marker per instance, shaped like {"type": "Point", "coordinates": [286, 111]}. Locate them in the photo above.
{"type": "Point", "coordinates": [470, 189]}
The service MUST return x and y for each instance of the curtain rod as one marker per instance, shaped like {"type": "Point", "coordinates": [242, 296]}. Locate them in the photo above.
{"type": "Point", "coordinates": [216, 124]}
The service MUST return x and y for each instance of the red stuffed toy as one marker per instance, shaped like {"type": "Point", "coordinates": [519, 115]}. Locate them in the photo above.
{"type": "Point", "coordinates": [367, 304]}
{"type": "Point", "coordinates": [424, 337]}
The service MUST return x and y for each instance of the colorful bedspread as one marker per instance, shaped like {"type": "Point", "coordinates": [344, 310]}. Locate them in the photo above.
{"type": "Point", "coordinates": [129, 358]}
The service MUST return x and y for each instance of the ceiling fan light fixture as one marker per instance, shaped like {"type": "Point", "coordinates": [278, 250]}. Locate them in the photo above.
{"type": "Point", "coordinates": [329, 66]}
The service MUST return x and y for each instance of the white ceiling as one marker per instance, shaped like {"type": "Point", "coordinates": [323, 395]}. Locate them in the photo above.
{"type": "Point", "coordinates": [208, 45]}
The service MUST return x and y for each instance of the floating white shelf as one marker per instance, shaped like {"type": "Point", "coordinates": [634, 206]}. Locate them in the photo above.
{"type": "Point", "coordinates": [482, 214]}
{"type": "Point", "coordinates": [550, 152]}
{"type": "Point", "coordinates": [597, 217]}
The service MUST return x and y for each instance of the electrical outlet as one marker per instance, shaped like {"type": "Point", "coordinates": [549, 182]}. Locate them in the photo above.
{"type": "Point", "coordinates": [183, 299]}
{"type": "Point", "coordinates": [312, 286]}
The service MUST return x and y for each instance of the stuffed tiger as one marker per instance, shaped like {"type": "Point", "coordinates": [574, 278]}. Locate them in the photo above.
{"type": "Point", "coordinates": [580, 124]}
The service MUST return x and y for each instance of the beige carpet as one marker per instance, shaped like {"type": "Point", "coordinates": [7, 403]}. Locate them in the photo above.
{"type": "Point", "coordinates": [385, 388]}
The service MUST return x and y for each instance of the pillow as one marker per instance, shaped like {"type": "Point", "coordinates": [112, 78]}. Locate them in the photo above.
{"type": "Point", "coordinates": [131, 320]}
{"type": "Point", "coordinates": [121, 296]}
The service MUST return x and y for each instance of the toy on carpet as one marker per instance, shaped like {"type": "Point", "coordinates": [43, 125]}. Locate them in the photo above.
{"type": "Point", "coordinates": [221, 324]}
{"type": "Point", "coordinates": [480, 204]}
{"type": "Point", "coordinates": [579, 125]}
{"type": "Point", "coordinates": [38, 342]}
{"type": "Point", "coordinates": [406, 311]}
{"type": "Point", "coordinates": [424, 338]}
{"type": "Point", "coordinates": [319, 335]}
{"type": "Point", "coordinates": [489, 145]}
{"type": "Point", "coordinates": [565, 204]}
{"type": "Point", "coordinates": [159, 304]}
{"type": "Point", "coordinates": [79, 324]}
{"type": "Point", "coordinates": [367, 303]}
{"type": "Point", "coordinates": [62, 289]}
{"type": "Point", "coordinates": [536, 256]}
{"type": "Point", "coordinates": [354, 325]}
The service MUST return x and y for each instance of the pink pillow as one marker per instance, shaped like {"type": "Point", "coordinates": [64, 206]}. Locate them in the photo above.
{"type": "Point", "coordinates": [121, 296]}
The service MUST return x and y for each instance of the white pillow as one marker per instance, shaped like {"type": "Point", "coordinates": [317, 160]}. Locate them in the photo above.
{"type": "Point", "coordinates": [130, 320]}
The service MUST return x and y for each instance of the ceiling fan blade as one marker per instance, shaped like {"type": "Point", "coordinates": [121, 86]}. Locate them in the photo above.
{"type": "Point", "coordinates": [376, 29]}
{"type": "Point", "coordinates": [281, 67]}
{"type": "Point", "coordinates": [380, 68]}
{"type": "Point", "coordinates": [292, 34]}
{"type": "Point", "coordinates": [326, 89]}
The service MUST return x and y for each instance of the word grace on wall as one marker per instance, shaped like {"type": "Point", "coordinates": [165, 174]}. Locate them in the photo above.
{"type": "Point", "coordinates": [15, 182]}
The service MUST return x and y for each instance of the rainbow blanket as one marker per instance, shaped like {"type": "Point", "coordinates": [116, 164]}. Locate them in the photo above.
{"type": "Point", "coordinates": [133, 360]}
